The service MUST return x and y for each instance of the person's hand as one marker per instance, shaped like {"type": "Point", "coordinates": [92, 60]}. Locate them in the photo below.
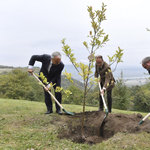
{"type": "Point", "coordinates": [46, 88]}
{"type": "Point", "coordinates": [30, 71]}
{"type": "Point", "coordinates": [102, 92]}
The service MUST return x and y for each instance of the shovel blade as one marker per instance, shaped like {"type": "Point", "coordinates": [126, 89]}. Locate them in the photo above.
{"type": "Point", "coordinates": [106, 114]}
{"type": "Point", "coordinates": [69, 113]}
{"type": "Point", "coordinates": [141, 122]}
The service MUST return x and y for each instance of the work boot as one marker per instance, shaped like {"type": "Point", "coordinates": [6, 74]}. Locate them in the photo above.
{"type": "Point", "coordinates": [49, 112]}
{"type": "Point", "coordinates": [59, 112]}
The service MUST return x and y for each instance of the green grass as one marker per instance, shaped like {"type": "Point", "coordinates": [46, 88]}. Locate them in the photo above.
{"type": "Point", "coordinates": [24, 126]}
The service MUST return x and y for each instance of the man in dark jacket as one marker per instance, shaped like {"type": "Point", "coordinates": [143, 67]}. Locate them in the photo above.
{"type": "Point", "coordinates": [107, 80]}
{"type": "Point", "coordinates": [52, 67]}
{"type": "Point", "coordinates": [146, 63]}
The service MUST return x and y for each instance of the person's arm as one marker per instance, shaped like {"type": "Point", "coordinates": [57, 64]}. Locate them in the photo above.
{"type": "Point", "coordinates": [96, 73]}
{"type": "Point", "coordinates": [107, 79]}
{"type": "Point", "coordinates": [32, 62]}
{"type": "Point", "coordinates": [35, 58]}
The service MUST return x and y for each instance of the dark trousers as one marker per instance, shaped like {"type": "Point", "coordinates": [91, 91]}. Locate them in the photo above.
{"type": "Point", "coordinates": [109, 100]}
{"type": "Point", "coordinates": [48, 100]}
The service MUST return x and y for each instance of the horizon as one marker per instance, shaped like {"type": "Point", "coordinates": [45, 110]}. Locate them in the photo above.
{"type": "Point", "coordinates": [131, 75]}
{"type": "Point", "coordinates": [128, 71]}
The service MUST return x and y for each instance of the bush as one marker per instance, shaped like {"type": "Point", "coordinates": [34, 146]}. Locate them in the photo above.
{"type": "Point", "coordinates": [121, 95]}
{"type": "Point", "coordinates": [17, 84]}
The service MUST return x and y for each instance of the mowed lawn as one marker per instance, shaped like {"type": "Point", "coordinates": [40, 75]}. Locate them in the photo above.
{"type": "Point", "coordinates": [24, 126]}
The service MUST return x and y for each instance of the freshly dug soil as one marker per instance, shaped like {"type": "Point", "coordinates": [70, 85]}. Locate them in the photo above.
{"type": "Point", "coordinates": [96, 128]}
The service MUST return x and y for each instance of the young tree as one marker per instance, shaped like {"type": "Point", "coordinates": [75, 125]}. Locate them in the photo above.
{"type": "Point", "coordinates": [97, 40]}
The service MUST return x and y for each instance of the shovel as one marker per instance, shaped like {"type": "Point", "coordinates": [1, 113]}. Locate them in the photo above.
{"type": "Point", "coordinates": [103, 101]}
{"type": "Point", "coordinates": [144, 119]}
{"type": "Point", "coordinates": [70, 113]}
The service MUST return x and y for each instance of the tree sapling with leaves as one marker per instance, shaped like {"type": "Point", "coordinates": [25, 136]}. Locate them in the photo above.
{"type": "Point", "coordinates": [97, 40]}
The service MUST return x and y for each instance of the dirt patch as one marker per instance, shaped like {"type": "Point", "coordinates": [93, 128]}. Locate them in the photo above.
{"type": "Point", "coordinates": [96, 129]}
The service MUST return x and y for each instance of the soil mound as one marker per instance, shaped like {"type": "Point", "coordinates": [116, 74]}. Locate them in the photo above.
{"type": "Point", "coordinates": [96, 128]}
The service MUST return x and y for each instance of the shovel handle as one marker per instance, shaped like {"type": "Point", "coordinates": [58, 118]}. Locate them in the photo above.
{"type": "Point", "coordinates": [102, 96]}
{"type": "Point", "coordinates": [48, 91]}
{"type": "Point", "coordinates": [146, 117]}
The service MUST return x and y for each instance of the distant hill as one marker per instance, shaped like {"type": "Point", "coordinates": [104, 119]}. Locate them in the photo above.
{"type": "Point", "coordinates": [5, 69]}
{"type": "Point", "coordinates": [64, 82]}
{"type": "Point", "coordinates": [11, 67]}
{"type": "Point", "coordinates": [128, 72]}
{"type": "Point", "coordinates": [132, 75]}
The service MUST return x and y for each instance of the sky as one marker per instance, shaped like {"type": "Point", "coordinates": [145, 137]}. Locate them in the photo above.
{"type": "Point", "coordinates": [36, 27]}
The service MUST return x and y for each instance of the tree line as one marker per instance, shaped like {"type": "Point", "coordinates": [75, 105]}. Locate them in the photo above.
{"type": "Point", "coordinates": [135, 98]}
{"type": "Point", "coordinates": [19, 84]}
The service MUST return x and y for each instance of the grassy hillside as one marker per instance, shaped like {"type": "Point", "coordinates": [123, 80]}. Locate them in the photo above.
{"type": "Point", "coordinates": [24, 126]}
